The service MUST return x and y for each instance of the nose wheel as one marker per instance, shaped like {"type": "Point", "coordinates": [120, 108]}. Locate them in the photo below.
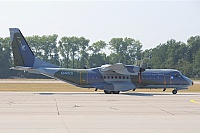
{"type": "Point", "coordinates": [174, 92]}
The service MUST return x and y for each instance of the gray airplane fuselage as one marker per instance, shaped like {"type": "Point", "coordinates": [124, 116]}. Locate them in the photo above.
{"type": "Point", "coordinates": [150, 78]}
{"type": "Point", "coordinates": [112, 78]}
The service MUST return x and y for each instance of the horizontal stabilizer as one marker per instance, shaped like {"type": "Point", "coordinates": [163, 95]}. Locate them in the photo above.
{"type": "Point", "coordinates": [28, 69]}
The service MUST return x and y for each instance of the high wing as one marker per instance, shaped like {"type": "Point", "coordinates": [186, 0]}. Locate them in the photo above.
{"type": "Point", "coordinates": [121, 69]}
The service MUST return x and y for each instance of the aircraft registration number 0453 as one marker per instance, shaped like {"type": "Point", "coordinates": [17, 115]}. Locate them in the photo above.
{"type": "Point", "coordinates": [66, 73]}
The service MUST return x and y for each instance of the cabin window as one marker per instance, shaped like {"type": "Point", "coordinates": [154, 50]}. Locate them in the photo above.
{"type": "Point", "coordinates": [108, 77]}
{"type": "Point", "coordinates": [104, 77]}
{"type": "Point", "coordinates": [127, 77]}
{"type": "Point", "coordinates": [115, 77]}
{"type": "Point", "coordinates": [112, 77]}
{"type": "Point", "coordinates": [123, 77]}
{"type": "Point", "coordinates": [120, 77]}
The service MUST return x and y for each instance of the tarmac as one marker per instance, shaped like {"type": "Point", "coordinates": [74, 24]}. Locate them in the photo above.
{"type": "Point", "coordinates": [81, 112]}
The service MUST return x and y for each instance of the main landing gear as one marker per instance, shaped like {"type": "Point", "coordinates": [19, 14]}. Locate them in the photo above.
{"type": "Point", "coordinates": [174, 91]}
{"type": "Point", "coordinates": [111, 92]}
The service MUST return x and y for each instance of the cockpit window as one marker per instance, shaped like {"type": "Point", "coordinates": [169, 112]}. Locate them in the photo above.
{"type": "Point", "coordinates": [177, 75]}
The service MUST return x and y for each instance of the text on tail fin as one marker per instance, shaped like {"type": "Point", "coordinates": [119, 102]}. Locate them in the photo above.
{"type": "Point", "coordinates": [23, 56]}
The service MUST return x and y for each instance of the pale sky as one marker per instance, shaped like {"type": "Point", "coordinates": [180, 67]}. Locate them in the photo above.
{"type": "Point", "coordinates": [151, 22]}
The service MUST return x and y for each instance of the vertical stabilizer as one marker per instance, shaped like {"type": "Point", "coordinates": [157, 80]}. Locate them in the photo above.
{"type": "Point", "coordinates": [23, 56]}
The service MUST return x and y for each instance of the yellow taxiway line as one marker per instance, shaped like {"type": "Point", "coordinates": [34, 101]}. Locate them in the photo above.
{"type": "Point", "coordinates": [193, 101]}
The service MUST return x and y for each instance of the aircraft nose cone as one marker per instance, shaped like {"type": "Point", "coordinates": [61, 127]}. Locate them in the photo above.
{"type": "Point", "coordinates": [190, 82]}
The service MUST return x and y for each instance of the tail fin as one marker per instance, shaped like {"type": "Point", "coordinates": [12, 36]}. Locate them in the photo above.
{"type": "Point", "coordinates": [23, 55]}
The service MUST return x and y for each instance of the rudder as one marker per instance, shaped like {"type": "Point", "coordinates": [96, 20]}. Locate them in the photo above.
{"type": "Point", "coordinates": [23, 55]}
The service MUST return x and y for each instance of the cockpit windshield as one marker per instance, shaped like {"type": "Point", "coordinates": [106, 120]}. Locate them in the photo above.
{"type": "Point", "coordinates": [177, 74]}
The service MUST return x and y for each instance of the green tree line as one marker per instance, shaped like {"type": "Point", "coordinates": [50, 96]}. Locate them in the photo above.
{"type": "Point", "coordinates": [76, 52]}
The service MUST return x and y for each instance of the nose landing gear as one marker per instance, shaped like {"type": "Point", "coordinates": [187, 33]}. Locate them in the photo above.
{"type": "Point", "coordinates": [174, 91]}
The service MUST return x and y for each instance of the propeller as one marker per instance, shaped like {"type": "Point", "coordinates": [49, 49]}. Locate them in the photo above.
{"type": "Point", "coordinates": [140, 72]}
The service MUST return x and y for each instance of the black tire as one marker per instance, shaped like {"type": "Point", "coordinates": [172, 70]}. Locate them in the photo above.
{"type": "Point", "coordinates": [107, 92]}
{"type": "Point", "coordinates": [115, 92]}
{"type": "Point", "coordinates": [174, 92]}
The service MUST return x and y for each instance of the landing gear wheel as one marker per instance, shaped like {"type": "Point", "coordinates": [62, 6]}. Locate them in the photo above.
{"type": "Point", "coordinates": [107, 92]}
{"type": "Point", "coordinates": [174, 91]}
{"type": "Point", "coordinates": [111, 92]}
{"type": "Point", "coordinates": [115, 92]}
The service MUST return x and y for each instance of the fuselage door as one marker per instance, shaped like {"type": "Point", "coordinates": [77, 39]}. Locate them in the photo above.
{"type": "Point", "coordinates": [83, 77]}
{"type": "Point", "coordinates": [167, 80]}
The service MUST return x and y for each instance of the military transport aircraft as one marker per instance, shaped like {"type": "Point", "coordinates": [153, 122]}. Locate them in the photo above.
{"type": "Point", "coordinates": [112, 78]}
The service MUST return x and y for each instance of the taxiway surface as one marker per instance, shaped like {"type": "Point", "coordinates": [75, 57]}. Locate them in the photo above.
{"type": "Point", "coordinates": [99, 113]}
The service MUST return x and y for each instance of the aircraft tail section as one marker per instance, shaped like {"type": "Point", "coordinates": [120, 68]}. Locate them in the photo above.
{"type": "Point", "coordinates": [23, 55]}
